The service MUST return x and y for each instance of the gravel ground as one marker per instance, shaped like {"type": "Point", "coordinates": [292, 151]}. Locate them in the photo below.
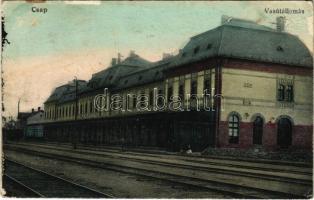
{"type": "Point", "coordinates": [12, 189]}
{"type": "Point", "coordinates": [221, 177]}
{"type": "Point", "coordinates": [259, 153]}
{"type": "Point", "coordinates": [118, 184]}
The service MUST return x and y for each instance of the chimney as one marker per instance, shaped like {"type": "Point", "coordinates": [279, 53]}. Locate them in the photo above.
{"type": "Point", "coordinates": [166, 55]}
{"type": "Point", "coordinates": [280, 23]}
{"type": "Point", "coordinates": [38, 108]}
{"type": "Point", "coordinates": [113, 61]}
{"type": "Point", "coordinates": [225, 19]}
{"type": "Point", "coordinates": [132, 53]}
{"type": "Point", "coordinates": [33, 110]}
{"type": "Point", "coordinates": [119, 58]}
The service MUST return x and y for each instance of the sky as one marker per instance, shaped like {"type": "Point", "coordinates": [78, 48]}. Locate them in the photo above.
{"type": "Point", "coordinates": [71, 39]}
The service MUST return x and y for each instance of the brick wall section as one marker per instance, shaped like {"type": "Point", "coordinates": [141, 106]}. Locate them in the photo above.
{"type": "Point", "coordinates": [223, 134]}
{"type": "Point", "coordinates": [301, 136]}
{"type": "Point", "coordinates": [246, 135]}
{"type": "Point", "coordinates": [270, 136]}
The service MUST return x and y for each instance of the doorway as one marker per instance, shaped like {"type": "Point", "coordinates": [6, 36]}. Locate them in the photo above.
{"type": "Point", "coordinates": [284, 137]}
{"type": "Point", "coordinates": [258, 130]}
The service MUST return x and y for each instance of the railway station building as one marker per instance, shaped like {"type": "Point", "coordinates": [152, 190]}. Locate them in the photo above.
{"type": "Point", "coordinates": [256, 80]}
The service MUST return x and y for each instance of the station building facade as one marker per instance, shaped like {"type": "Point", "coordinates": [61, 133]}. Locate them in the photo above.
{"type": "Point", "coordinates": [256, 80]}
{"type": "Point", "coordinates": [34, 127]}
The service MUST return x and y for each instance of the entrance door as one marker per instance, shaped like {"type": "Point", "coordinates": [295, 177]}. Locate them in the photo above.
{"type": "Point", "coordinates": [258, 131]}
{"type": "Point", "coordinates": [284, 137]}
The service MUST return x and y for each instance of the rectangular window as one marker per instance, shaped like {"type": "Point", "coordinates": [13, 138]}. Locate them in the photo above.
{"type": "Point", "coordinates": [170, 94]}
{"type": "Point", "coordinates": [193, 87]}
{"type": "Point", "coordinates": [193, 97]}
{"type": "Point", "coordinates": [160, 100]}
{"type": "Point", "coordinates": [151, 98]}
{"type": "Point", "coordinates": [100, 105]}
{"type": "Point", "coordinates": [143, 99]}
{"type": "Point", "coordinates": [90, 106]}
{"type": "Point", "coordinates": [134, 102]}
{"type": "Point", "coordinates": [129, 101]}
{"type": "Point", "coordinates": [285, 92]}
{"type": "Point", "coordinates": [281, 92]}
{"type": "Point", "coordinates": [181, 92]}
{"type": "Point", "coordinates": [289, 93]}
{"type": "Point", "coordinates": [207, 86]}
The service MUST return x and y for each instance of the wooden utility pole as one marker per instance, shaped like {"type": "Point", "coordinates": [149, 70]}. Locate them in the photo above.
{"type": "Point", "coordinates": [18, 106]}
{"type": "Point", "coordinates": [75, 116]}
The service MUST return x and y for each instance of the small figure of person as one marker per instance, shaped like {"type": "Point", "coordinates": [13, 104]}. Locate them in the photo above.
{"type": "Point", "coordinates": [189, 150]}
{"type": "Point", "coordinates": [123, 147]}
{"type": "Point", "coordinates": [183, 148]}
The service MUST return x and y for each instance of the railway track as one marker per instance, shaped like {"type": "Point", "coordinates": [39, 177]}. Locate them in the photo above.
{"type": "Point", "coordinates": [177, 156]}
{"type": "Point", "coordinates": [229, 169]}
{"type": "Point", "coordinates": [193, 163]}
{"type": "Point", "coordinates": [205, 165]}
{"type": "Point", "coordinates": [15, 188]}
{"type": "Point", "coordinates": [37, 183]}
{"type": "Point", "coordinates": [236, 190]}
{"type": "Point", "coordinates": [271, 165]}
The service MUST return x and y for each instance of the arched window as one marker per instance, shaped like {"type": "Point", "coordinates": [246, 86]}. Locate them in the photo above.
{"type": "Point", "coordinates": [281, 92]}
{"type": "Point", "coordinates": [233, 129]}
{"type": "Point", "coordinates": [289, 93]}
